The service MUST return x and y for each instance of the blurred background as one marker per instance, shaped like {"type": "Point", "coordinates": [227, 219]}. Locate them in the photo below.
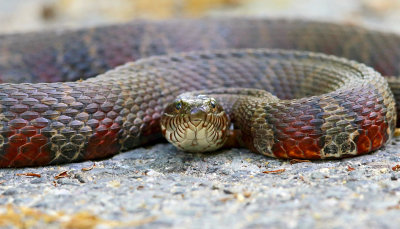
{"type": "Point", "coordinates": [30, 15]}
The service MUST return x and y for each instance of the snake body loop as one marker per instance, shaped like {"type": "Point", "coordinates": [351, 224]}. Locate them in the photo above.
{"type": "Point", "coordinates": [341, 108]}
{"type": "Point", "coordinates": [327, 107]}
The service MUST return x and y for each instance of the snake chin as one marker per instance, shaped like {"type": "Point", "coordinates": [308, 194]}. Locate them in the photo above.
{"type": "Point", "coordinates": [195, 123]}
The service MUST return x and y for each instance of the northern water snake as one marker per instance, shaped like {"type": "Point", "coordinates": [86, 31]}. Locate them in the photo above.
{"type": "Point", "coordinates": [51, 123]}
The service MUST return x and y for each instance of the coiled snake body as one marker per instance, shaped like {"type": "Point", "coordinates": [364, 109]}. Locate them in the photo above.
{"type": "Point", "coordinates": [351, 110]}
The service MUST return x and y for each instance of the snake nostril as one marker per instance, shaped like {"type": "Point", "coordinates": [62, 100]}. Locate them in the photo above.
{"type": "Point", "coordinates": [195, 111]}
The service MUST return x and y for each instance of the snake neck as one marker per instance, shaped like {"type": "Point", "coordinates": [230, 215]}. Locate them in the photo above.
{"type": "Point", "coordinates": [246, 109]}
{"type": "Point", "coordinates": [250, 119]}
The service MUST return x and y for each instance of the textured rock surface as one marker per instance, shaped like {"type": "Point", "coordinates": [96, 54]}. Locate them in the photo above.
{"type": "Point", "coordinates": [160, 186]}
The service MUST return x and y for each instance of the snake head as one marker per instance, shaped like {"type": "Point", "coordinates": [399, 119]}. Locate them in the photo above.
{"type": "Point", "coordinates": [195, 123]}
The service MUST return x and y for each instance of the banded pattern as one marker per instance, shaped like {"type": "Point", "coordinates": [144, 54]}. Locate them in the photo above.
{"type": "Point", "coordinates": [49, 123]}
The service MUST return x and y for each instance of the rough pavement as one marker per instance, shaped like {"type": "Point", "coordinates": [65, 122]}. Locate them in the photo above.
{"type": "Point", "coordinates": [162, 187]}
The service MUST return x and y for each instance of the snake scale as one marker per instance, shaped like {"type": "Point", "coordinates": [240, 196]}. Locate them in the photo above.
{"type": "Point", "coordinates": [322, 111]}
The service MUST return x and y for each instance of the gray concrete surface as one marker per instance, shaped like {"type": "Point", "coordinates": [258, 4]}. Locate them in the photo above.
{"type": "Point", "coordinates": [161, 187]}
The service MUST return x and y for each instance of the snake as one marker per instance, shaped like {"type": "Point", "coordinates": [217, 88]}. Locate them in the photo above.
{"type": "Point", "coordinates": [292, 89]}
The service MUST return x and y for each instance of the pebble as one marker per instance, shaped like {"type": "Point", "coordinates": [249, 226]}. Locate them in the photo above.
{"type": "Point", "coordinates": [10, 192]}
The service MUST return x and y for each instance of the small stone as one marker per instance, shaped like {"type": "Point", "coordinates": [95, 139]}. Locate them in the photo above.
{"type": "Point", "coordinates": [79, 178]}
{"type": "Point", "coordinates": [212, 169]}
{"type": "Point", "coordinates": [214, 187]}
{"type": "Point", "coordinates": [10, 192]}
{"type": "Point", "coordinates": [226, 191]}
{"type": "Point", "coordinates": [317, 175]}
{"type": "Point", "coordinates": [37, 181]}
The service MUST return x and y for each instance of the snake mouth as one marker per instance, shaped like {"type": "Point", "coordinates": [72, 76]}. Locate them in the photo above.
{"type": "Point", "coordinates": [196, 122]}
{"type": "Point", "coordinates": [198, 116]}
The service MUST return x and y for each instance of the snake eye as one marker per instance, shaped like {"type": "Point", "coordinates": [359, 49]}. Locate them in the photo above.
{"type": "Point", "coordinates": [178, 106]}
{"type": "Point", "coordinates": [212, 103]}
